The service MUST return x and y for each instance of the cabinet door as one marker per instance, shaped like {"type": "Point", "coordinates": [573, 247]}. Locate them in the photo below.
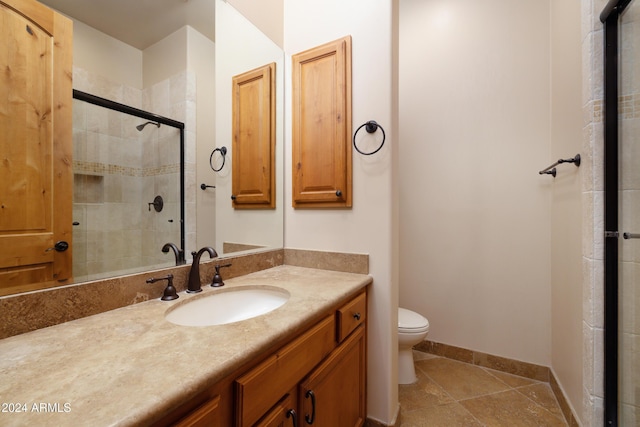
{"type": "Point", "coordinates": [254, 138]}
{"type": "Point", "coordinates": [334, 393]}
{"type": "Point", "coordinates": [36, 173]}
{"type": "Point", "coordinates": [321, 146]}
{"type": "Point", "coordinates": [283, 414]}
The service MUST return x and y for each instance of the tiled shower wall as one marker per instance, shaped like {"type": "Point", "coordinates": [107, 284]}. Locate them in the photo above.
{"type": "Point", "coordinates": [592, 195]}
{"type": "Point", "coordinates": [629, 109]}
{"type": "Point", "coordinates": [629, 273]}
{"type": "Point", "coordinates": [117, 168]}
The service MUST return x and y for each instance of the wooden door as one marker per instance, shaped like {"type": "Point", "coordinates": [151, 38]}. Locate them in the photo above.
{"type": "Point", "coordinates": [254, 139]}
{"type": "Point", "coordinates": [334, 394]}
{"type": "Point", "coordinates": [35, 146]}
{"type": "Point", "coordinates": [321, 141]}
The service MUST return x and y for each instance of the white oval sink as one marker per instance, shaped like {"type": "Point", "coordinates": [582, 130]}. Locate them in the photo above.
{"type": "Point", "coordinates": [227, 306]}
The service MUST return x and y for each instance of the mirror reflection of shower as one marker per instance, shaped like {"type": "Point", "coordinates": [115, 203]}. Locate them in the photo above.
{"type": "Point", "coordinates": [118, 170]}
{"type": "Point", "coordinates": [140, 127]}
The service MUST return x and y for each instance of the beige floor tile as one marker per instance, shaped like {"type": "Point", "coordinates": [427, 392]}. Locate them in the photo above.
{"type": "Point", "coordinates": [457, 394]}
{"type": "Point", "coordinates": [510, 409]}
{"type": "Point", "coordinates": [452, 414]}
{"type": "Point", "coordinates": [542, 395]}
{"type": "Point", "coordinates": [423, 394]}
{"type": "Point", "coordinates": [461, 380]}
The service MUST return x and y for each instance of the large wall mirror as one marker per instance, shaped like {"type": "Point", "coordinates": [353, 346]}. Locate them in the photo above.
{"type": "Point", "coordinates": [175, 60]}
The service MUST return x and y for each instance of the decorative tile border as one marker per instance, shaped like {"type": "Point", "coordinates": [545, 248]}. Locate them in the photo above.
{"type": "Point", "coordinates": [503, 364]}
{"type": "Point", "coordinates": [109, 169]}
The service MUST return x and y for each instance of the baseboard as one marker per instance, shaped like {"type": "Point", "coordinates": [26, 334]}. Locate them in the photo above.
{"type": "Point", "coordinates": [503, 364]}
{"type": "Point", "coordinates": [370, 422]}
{"type": "Point", "coordinates": [566, 408]}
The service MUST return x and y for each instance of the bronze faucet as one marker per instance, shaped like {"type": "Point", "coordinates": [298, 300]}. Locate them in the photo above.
{"type": "Point", "coordinates": [170, 291]}
{"type": "Point", "coordinates": [179, 253]}
{"type": "Point", "coordinates": [194, 285]}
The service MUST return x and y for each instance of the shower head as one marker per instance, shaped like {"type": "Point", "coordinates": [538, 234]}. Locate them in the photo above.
{"type": "Point", "coordinates": [140, 127]}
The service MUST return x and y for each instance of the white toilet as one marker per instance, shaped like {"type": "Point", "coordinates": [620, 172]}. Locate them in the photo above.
{"type": "Point", "coordinates": [412, 328]}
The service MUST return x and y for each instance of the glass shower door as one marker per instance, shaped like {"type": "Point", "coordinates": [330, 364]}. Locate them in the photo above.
{"type": "Point", "coordinates": [629, 217]}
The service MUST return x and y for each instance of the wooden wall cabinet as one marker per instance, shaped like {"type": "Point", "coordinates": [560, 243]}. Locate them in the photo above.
{"type": "Point", "coordinates": [321, 141]}
{"type": "Point", "coordinates": [254, 139]}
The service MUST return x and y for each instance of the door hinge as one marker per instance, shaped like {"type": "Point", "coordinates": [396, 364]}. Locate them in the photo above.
{"type": "Point", "coordinates": [614, 234]}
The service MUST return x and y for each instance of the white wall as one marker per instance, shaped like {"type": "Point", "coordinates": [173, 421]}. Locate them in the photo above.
{"type": "Point", "coordinates": [566, 205]}
{"type": "Point", "coordinates": [367, 227]}
{"type": "Point", "coordinates": [201, 61]}
{"type": "Point", "coordinates": [241, 47]}
{"type": "Point", "coordinates": [102, 55]}
{"type": "Point", "coordinates": [165, 58]}
{"type": "Point", "coordinates": [475, 214]}
{"type": "Point", "coordinates": [267, 15]}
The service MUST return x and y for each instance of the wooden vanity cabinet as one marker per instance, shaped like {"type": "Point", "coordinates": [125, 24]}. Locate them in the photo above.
{"type": "Point", "coordinates": [326, 365]}
{"type": "Point", "coordinates": [333, 393]}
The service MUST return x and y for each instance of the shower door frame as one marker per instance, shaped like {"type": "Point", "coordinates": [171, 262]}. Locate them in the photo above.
{"type": "Point", "coordinates": [610, 19]}
{"type": "Point", "coordinates": [123, 108]}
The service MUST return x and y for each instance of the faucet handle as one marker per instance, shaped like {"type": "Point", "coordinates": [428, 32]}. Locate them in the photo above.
{"type": "Point", "coordinates": [169, 292]}
{"type": "Point", "coordinates": [217, 279]}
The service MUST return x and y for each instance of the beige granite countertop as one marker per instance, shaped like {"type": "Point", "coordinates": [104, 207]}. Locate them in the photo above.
{"type": "Point", "coordinates": [123, 366]}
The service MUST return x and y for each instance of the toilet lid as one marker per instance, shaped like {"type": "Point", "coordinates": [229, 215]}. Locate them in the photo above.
{"type": "Point", "coordinates": [408, 319]}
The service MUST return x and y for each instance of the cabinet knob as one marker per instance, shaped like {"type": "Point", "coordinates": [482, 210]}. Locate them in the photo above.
{"type": "Point", "coordinates": [233, 197]}
{"type": "Point", "coordinates": [357, 316]}
{"type": "Point", "coordinates": [338, 193]}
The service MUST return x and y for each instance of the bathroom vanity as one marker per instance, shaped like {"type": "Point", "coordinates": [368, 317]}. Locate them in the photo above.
{"type": "Point", "coordinates": [130, 366]}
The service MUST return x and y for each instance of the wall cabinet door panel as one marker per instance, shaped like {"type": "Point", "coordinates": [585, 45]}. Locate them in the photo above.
{"type": "Point", "coordinates": [254, 136]}
{"type": "Point", "coordinates": [321, 146]}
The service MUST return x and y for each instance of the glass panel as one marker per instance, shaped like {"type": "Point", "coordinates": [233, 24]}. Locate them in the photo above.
{"type": "Point", "coordinates": [119, 172]}
{"type": "Point", "coordinates": [629, 268]}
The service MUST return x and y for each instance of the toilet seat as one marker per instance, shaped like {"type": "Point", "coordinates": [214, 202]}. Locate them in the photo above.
{"type": "Point", "coordinates": [411, 322]}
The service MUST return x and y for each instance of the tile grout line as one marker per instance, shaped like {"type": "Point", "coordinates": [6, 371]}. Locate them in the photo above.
{"type": "Point", "coordinates": [489, 371]}
{"type": "Point", "coordinates": [454, 400]}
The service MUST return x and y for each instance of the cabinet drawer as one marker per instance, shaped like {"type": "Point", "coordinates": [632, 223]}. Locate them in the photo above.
{"type": "Point", "coordinates": [351, 315]}
{"type": "Point", "coordinates": [259, 389]}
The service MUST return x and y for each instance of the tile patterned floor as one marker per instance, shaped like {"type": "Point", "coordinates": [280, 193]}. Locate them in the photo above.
{"type": "Point", "coordinates": [451, 393]}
